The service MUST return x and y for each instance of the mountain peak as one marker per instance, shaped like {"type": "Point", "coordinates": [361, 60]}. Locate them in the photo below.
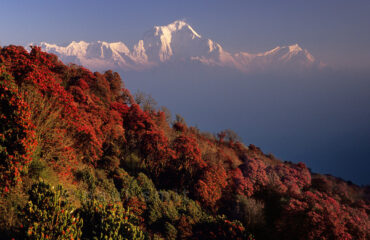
{"type": "Point", "coordinates": [177, 41]}
{"type": "Point", "coordinates": [295, 48]}
{"type": "Point", "coordinates": [176, 26]}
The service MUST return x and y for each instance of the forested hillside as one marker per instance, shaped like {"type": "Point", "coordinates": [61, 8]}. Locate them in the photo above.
{"type": "Point", "coordinates": [81, 158]}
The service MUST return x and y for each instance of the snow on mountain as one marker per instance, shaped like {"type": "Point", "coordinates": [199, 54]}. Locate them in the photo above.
{"type": "Point", "coordinates": [100, 55]}
{"type": "Point", "coordinates": [177, 41]}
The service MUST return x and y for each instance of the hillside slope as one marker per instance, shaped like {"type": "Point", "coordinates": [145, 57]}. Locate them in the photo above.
{"type": "Point", "coordinates": [130, 173]}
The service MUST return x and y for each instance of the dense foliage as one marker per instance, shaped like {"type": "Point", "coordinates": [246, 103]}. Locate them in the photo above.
{"type": "Point", "coordinates": [132, 174]}
{"type": "Point", "coordinates": [110, 221]}
{"type": "Point", "coordinates": [17, 136]}
{"type": "Point", "coordinates": [47, 215]}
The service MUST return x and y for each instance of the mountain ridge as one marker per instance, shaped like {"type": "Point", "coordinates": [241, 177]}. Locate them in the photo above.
{"type": "Point", "coordinates": [177, 41]}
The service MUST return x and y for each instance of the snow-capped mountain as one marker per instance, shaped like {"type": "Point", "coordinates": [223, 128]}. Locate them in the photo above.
{"type": "Point", "coordinates": [177, 41]}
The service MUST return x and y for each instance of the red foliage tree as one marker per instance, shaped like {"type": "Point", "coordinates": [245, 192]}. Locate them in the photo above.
{"type": "Point", "coordinates": [254, 171]}
{"type": "Point", "coordinates": [319, 216]}
{"type": "Point", "coordinates": [99, 124]}
{"type": "Point", "coordinates": [37, 68]}
{"type": "Point", "coordinates": [210, 186]}
{"type": "Point", "coordinates": [17, 135]}
{"type": "Point", "coordinates": [188, 163]}
{"type": "Point", "coordinates": [144, 137]}
{"type": "Point", "coordinates": [289, 178]}
{"type": "Point", "coordinates": [241, 185]}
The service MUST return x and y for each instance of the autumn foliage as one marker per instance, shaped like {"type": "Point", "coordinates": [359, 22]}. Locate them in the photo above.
{"type": "Point", "coordinates": [17, 135]}
{"type": "Point", "coordinates": [147, 178]}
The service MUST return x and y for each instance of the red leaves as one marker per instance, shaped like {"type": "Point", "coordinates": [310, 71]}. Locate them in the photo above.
{"type": "Point", "coordinates": [241, 184]}
{"type": "Point", "coordinates": [188, 154]}
{"type": "Point", "coordinates": [17, 135]}
{"type": "Point", "coordinates": [186, 162]}
{"type": "Point", "coordinates": [144, 135]}
{"type": "Point", "coordinates": [136, 206]}
{"type": "Point", "coordinates": [254, 171]}
{"type": "Point", "coordinates": [209, 188]}
{"type": "Point", "coordinates": [290, 177]}
{"type": "Point", "coordinates": [315, 215]}
{"type": "Point", "coordinates": [83, 114]}
{"type": "Point", "coordinates": [36, 68]}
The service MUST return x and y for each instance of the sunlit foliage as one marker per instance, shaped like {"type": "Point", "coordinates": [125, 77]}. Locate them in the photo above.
{"type": "Point", "coordinates": [133, 174]}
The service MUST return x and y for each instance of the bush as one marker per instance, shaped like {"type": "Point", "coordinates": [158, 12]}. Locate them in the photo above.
{"type": "Point", "coordinates": [220, 228]}
{"type": "Point", "coordinates": [131, 162]}
{"type": "Point", "coordinates": [17, 135]}
{"type": "Point", "coordinates": [110, 221]}
{"type": "Point", "coordinates": [36, 169]}
{"type": "Point", "coordinates": [171, 232]}
{"type": "Point", "coordinates": [47, 215]}
{"type": "Point", "coordinates": [86, 176]}
{"type": "Point", "coordinates": [250, 212]}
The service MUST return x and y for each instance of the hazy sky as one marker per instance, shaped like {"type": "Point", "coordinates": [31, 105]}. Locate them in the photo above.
{"type": "Point", "coordinates": [334, 31]}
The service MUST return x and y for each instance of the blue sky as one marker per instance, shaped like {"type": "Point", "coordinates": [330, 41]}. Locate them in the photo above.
{"type": "Point", "coordinates": [334, 31]}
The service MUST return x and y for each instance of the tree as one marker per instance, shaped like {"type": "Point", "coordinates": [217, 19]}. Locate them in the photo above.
{"type": "Point", "coordinates": [146, 101]}
{"type": "Point", "coordinates": [188, 163]}
{"type": "Point", "coordinates": [17, 135]}
{"type": "Point", "coordinates": [115, 82]}
{"type": "Point", "coordinates": [210, 186]}
{"type": "Point", "coordinates": [229, 135]}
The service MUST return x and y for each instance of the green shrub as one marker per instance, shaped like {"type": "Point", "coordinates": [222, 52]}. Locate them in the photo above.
{"type": "Point", "coordinates": [171, 204]}
{"type": "Point", "coordinates": [86, 176]}
{"type": "Point", "coordinates": [110, 221]}
{"type": "Point", "coordinates": [47, 215]}
{"type": "Point", "coordinates": [36, 169]}
{"type": "Point", "coordinates": [148, 188]}
{"type": "Point", "coordinates": [106, 190]}
{"type": "Point", "coordinates": [131, 162]}
{"type": "Point", "coordinates": [131, 188]}
{"type": "Point", "coordinates": [171, 232]}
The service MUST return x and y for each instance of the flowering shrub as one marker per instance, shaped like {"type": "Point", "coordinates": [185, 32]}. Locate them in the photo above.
{"type": "Point", "coordinates": [254, 171]}
{"type": "Point", "coordinates": [17, 135]}
{"type": "Point", "coordinates": [210, 186]}
{"type": "Point", "coordinates": [290, 178]}
{"type": "Point", "coordinates": [241, 184]}
{"type": "Point", "coordinates": [319, 216]}
{"type": "Point", "coordinates": [188, 163]}
{"type": "Point", "coordinates": [145, 138]}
